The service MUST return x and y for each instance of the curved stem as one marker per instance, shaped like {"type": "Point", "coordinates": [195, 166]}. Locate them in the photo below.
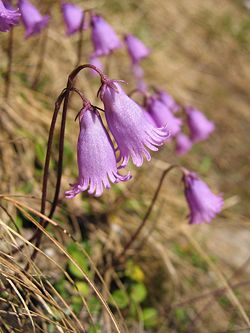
{"type": "Point", "coordinates": [63, 97]}
{"type": "Point", "coordinates": [137, 232]}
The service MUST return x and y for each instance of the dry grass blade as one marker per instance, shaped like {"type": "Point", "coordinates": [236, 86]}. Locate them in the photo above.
{"type": "Point", "coordinates": [55, 224]}
{"type": "Point", "coordinates": [23, 302]}
{"type": "Point", "coordinates": [62, 250]}
{"type": "Point", "coordinates": [231, 294]}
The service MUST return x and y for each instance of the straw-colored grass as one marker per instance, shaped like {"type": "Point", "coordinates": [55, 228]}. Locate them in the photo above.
{"type": "Point", "coordinates": [197, 277]}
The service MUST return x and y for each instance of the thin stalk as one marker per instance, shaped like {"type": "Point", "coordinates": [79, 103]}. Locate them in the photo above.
{"type": "Point", "coordinates": [41, 57]}
{"type": "Point", "coordinates": [63, 97]}
{"type": "Point", "coordinates": [137, 232]}
{"type": "Point", "coordinates": [9, 65]}
{"type": "Point", "coordinates": [80, 42]}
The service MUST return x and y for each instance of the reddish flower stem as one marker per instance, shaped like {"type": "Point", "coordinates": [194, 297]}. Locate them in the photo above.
{"type": "Point", "coordinates": [120, 257]}
{"type": "Point", "coordinates": [63, 97]}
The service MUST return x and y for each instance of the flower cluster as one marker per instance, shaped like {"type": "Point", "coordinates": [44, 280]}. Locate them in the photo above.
{"type": "Point", "coordinates": [132, 132]}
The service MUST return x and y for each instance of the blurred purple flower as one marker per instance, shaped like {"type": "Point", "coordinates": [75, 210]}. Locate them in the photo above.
{"type": "Point", "coordinates": [95, 61]}
{"type": "Point", "coordinates": [131, 130]}
{"type": "Point", "coordinates": [73, 16]}
{"type": "Point", "coordinates": [8, 16]}
{"type": "Point", "coordinates": [162, 116]}
{"type": "Point", "coordinates": [95, 155]}
{"type": "Point", "coordinates": [104, 38]}
{"type": "Point", "coordinates": [203, 204]}
{"type": "Point", "coordinates": [33, 21]}
{"type": "Point", "coordinates": [200, 127]}
{"type": "Point", "coordinates": [136, 49]}
{"type": "Point", "coordinates": [168, 101]}
{"type": "Point", "coordinates": [138, 71]}
{"type": "Point", "coordinates": [183, 144]}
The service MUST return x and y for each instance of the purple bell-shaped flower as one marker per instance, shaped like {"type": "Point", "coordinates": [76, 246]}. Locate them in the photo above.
{"type": "Point", "coordinates": [168, 101]}
{"type": "Point", "coordinates": [95, 156]}
{"type": "Point", "coordinates": [162, 116]}
{"type": "Point", "coordinates": [204, 205]}
{"type": "Point", "coordinates": [136, 49]}
{"type": "Point", "coordinates": [131, 130]}
{"type": "Point", "coordinates": [73, 17]}
{"type": "Point", "coordinates": [200, 127]}
{"type": "Point", "coordinates": [8, 17]}
{"type": "Point", "coordinates": [104, 38]}
{"type": "Point", "coordinates": [183, 144]}
{"type": "Point", "coordinates": [33, 21]}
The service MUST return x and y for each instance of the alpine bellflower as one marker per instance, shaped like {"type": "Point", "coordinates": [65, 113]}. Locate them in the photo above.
{"type": "Point", "coordinates": [104, 38]}
{"type": "Point", "coordinates": [168, 101]}
{"type": "Point", "coordinates": [8, 17]}
{"type": "Point", "coordinates": [95, 156]}
{"type": "Point", "coordinates": [200, 127]}
{"type": "Point", "coordinates": [131, 130]}
{"type": "Point", "coordinates": [183, 144]}
{"type": "Point", "coordinates": [73, 17]}
{"type": "Point", "coordinates": [162, 116]}
{"type": "Point", "coordinates": [204, 205]}
{"type": "Point", "coordinates": [136, 49]}
{"type": "Point", "coordinates": [33, 21]}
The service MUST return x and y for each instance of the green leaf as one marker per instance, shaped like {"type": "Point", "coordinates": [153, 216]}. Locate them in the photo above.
{"type": "Point", "coordinates": [94, 304]}
{"type": "Point", "coordinates": [40, 152]}
{"type": "Point", "coordinates": [76, 303]}
{"type": "Point", "coordinates": [138, 293]}
{"type": "Point", "coordinates": [134, 271]}
{"type": "Point", "coordinates": [83, 288]}
{"type": "Point", "coordinates": [149, 317]}
{"type": "Point", "coordinates": [120, 298]}
{"type": "Point", "coordinates": [81, 260]}
{"type": "Point", "coordinates": [94, 328]}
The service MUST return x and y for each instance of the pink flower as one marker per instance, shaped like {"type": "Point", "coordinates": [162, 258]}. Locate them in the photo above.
{"type": "Point", "coordinates": [162, 116]}
{"type": "Point", "coordinates": [168, 101]}
{"type": "Point", "coordinates": [183, 144]}
{"type": "Point", "coordinates": [8, 17]}
{"type": "Point", "coordinates": [73, 17]}
{"type": "Point", "coordinates": [104, 38]}
{"type": "Point", "coordinates": [95, 155]}
{"type": "Point", "coordinates": [200, 127]}
{"type": "Point", "coordinates": [95, 61]}
{"type": "Point", "coordinates": [203, 204]}
{"type": "Point", "coordinates": [136, 49]}
{"type": "Point", "coordinates": [33, 21]}
{"type": "Point", "coordinates": [131, 130]}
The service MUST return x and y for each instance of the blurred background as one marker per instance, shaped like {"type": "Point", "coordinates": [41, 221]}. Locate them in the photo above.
{"type": "Point", "coordinates": [178, 278]}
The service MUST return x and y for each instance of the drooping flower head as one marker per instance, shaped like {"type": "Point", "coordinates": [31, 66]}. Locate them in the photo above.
{"type": "Point", "coordinates": [73, 17]}
{"type": "Point", "coordinates": [104, 38]}
{"type": "Point", "coordinates": [8, 17]}
{"type": "Point", "coordinates": [183, 144]}
{"type": "Point", "coordinates": [162, 116]}
{"type": "Point", "coordinates": [130, 128]}
{"type": "Point", "coordinates": [136, 49]}
{"type": "Point", "coordinates": [33, 21]}
{"type": "Point", "coordinates": [200, 127]}
{"type": "Point", "coordinates": [168, 101]}
{"type": "Point", "coordinates": [95, 156]}
{"type": "Point", "coordinates": [204, 205]}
